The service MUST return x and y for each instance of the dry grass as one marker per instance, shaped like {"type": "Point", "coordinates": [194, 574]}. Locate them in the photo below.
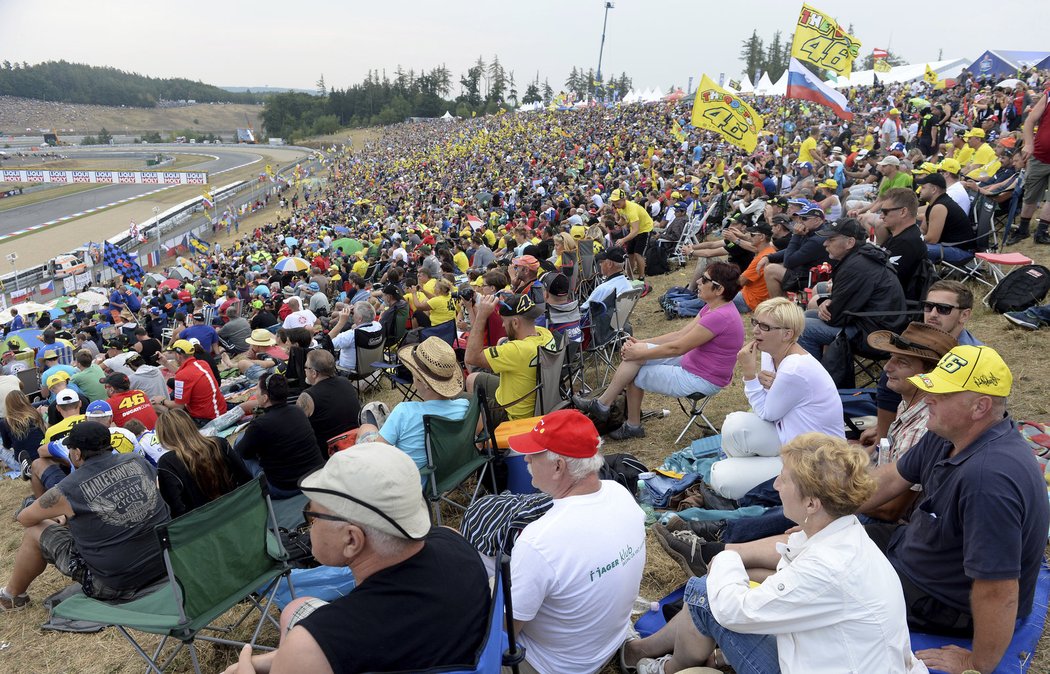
{"type": "Point", "coordinates": [32, 650]}
{"type": "Point", "coordinates": [89, 119]}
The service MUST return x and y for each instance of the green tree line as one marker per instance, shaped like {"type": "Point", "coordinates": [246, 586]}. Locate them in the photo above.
{"type": "Point", "coordinates": [66, 82]}
{"type": "Point", "coordinates": [383, 98]}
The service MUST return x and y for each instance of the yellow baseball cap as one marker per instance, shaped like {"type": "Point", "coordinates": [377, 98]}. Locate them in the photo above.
{"type": "Point", "coordinates": [56, 377]}
{"type": "Point", "coordinates": [676, 195]}
{"type": "Point", "coordinates": [894, 111]}
{"type": "Point", "coordinates": [976, 132]}
{"type": "Point", "coordinates": [927, 168]}
{"type": "Point", "coordinates": [830, 183]}
{"type": "Point", "coordinates": [949, 165]}
{"type": "Point", "coordinates": [578, 232]}
{"type": "Point", "coordinates": [183, 346]}
{"type": "Point", "coordinates": [967, 368]}
{"type": "Point", "coordinates": [617, 194]}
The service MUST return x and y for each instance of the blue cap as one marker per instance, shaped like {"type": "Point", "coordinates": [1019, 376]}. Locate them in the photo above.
{"type": "Point", "coordinates": [99, 408]}
{"type": "Point", "coordinates": [805, 165]}
{"type": "Point", "coordinates": [799, 202]}
{"type": "Point", "coordinates": [811, 208]}
{"type": "Point", "coordinates": [897, 147]}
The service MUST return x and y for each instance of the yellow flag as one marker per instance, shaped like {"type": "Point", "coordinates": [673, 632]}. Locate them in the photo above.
{"type": "Point", "coordinates": [676, 131]}
{"type": "Point", "coordinates": [882, 66]}
{"type": "Point", "coordinates": [930, 77]}
{"type": "Point", "coordinates": [819, 40]}
{"type": "Point", "coordinates": [723, 112]}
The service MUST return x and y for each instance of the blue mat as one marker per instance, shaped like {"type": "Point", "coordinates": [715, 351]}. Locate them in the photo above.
{"type": "Point", "coordinates": [1016, 660]}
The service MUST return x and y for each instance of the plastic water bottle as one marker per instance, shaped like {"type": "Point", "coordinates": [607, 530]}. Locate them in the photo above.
{"type": "Point", "coordinates": [884, 452]}
{"type": "Point", "coordinates": [643, 605]}
{"type": "Point", "coordinates": [645, 504]}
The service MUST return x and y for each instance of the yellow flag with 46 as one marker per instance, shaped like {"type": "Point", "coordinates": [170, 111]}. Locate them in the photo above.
{"type": "Point", "coordinates": [723, 112]}
{"type": "Point", "coordinates": [819, 40]}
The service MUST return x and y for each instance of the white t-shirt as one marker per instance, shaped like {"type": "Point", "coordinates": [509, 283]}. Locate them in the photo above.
{"type": "Point", "coordinates": [960, 196]}
{"type": "Point", "coordinates": [304, 318]}
{"type": "Point", "coordinates": [575, 573]}
{"type": "Point", "coordinates": [802, 399]}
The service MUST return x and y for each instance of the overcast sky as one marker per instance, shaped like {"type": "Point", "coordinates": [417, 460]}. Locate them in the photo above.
{"type": "Point", "coordinates": [657, 42]}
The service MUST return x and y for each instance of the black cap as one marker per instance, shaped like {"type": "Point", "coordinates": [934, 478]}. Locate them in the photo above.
{"type": "Point", "coordinates": [781, 219]}
{"type": "Point", "coordinates": [935, 179]}
{"type": "Point", "coordinates": [615, 254]}
{"type": "Point", "coordinates": [198, 316]}
{"type": "Point", "coordinates": [762, 228]}
{"type": "Point", "coordinates": [558, 285]}
{"type": "Point", "coordinates": [516, 305]}
{"type": "Point", "coordinates": [845, 227]}
{"type": "Point", "coordinates": [89, 436]}
{"type": "Point", "coordinates": [778, 201]}
{"type": "Point", "coordinates": [117, 380]}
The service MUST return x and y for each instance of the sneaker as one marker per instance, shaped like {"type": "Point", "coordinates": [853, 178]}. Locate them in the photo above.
{"type": "Point", "coordinates": [632, 635]}
{"type": "Point", "coordinates": [375, 413]}
{"type": "Point", "coordinates": [13, 603]}
{"type": "Point", "coordinates": [627, 431]}
{"type": "Point", "coordinates": [590, 407]}
{"type": "Point", "coordinates": [25, 463]}
{"type": "Point", "coordinates": [1023, 319]}
{"type": "Point", "coordinates": [1016, 237]}
{"type": "Point", "coordinates": [683, 547]}
{"type": "Point", "coordinates": [651, 666]}
{"type": "Point", "coordinates": [26, 502]}
{"type": "Point", "coordinates": [1042, 238]}
{"type": "Point", "coordinates": [710, 531]}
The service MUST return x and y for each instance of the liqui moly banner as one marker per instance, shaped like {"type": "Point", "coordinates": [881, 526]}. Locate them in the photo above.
{"type": "Point", "coordinates": [66, 177]}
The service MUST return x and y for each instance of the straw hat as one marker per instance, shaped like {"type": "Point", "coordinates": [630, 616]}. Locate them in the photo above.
{"type": "Point", "coordinates": [434, 362]}
{"type": "Point", "coordinates": [261, 337]}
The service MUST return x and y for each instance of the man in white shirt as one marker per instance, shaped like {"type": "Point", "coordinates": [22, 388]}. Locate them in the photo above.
{"type": "Point", "coordinates": [299, 318]}
{"type": "Point", "coordinates": [610, 262]}
{"type": "Point", "coordinates": [344, 340]}
{"type": "Point", "coordinates": [575, 571]}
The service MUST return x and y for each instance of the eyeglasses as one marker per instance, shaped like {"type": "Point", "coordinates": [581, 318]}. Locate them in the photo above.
{"type": "Point", "coordinates": [708, 279]}
{"type": "Point", "coordinates": [884, 211]}
{"type": "Point", "coordinates": [307, 514]}
{"type": "Point", "coordinates": [765, 327]}
{"type": "Point", "coordinates": [942, 309]}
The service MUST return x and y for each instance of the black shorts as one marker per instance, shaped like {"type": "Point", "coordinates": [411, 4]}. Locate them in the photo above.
{"type": "Point", "coordinates": [636, 246]}
{"type": "Point", "coordinates": [793, 281]}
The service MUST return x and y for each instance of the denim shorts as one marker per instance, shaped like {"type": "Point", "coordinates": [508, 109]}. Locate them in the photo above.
{"type": "Point", "coordinates": [747, 653]}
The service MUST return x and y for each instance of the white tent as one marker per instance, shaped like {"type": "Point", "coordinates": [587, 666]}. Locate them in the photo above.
{"type": "Point", "coordinates": [745, 85]}
{"type": "Point", "coordinates": [655, 95]}
{"type": "Point", "coordinates": [764, 85]}
{"type": "Point", "coordinates": [447, 115]}
{"type": "Point", "coordinates": [949, 68]}
{"type": "Point", "coordinates": [781, 87]}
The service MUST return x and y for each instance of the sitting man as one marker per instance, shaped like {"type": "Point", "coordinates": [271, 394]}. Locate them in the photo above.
{"type": "Point", "coordinates": [345, 340]}
{"type": "Point", "coordinates": [576, 570]}
{"type": "Point", "coordinates": [513, 362]}
{"type": "Point", "coordinates": [95, 526]}
{"type": "Point", "coordinates": [788, 270]}
{"type": "Point", "coordinates": [196, 389]}
{"type": "Point", "coordinates": [331, 402]}
{"type": "Point", "coordinates": [263, 355]}
{"type": "Point", "coordinates": [408, 612]}
{"type": "Point", "coordinates": [948, 231]}
{"type": "Point", "coordinates": [610, 264]}
{"type": "Point", "coordinates": [863, 281]}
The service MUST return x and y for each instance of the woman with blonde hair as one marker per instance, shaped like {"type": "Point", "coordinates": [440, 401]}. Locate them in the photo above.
{"type": "Point", "coordinates": [441, 305]}
{"type": "Point", "coordinates": [789, 391]}
{"type": "Point", "coordinates": [22, 430]}
{"type": "Point", "coordinates": [194, 469]}
{"type": "Point", "coordinates": [565, 253]}
{"type": "Point", "coordinates": [833, 603]}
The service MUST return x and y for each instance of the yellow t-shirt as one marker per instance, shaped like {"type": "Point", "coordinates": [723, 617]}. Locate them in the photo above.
{"type": "Point", "coordinates": [964, 156]}
{"type": "Point", "coordinates": [805, 151]}
{"type": "Point", "coordinates": [984, 154]}
{"type": "Point", "coordinates": [360, 268]}
{"type": "Point", "coordinates": [461, 261]}
{"type": "Point", "coordinates": [515, 362]}
{"type": "Point", "coordinates": [635, 213]}
{"type": "Point", "coordinates": [985, 171]}
{"type": "Point", "coordinates": [442, 309]}
{"type": "Point", "coordinates": [59, 430]}
{"type": "Point", "coordinates": [490, 238]}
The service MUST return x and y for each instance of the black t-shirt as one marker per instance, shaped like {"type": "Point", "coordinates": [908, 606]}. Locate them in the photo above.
{"type": "Point", "coordinates": [958, 230]}
{"type": "Point", "coordinates": [336, 409]}
{"type": "Point", "coordinates": [150, 348]}
{"type": "Point", "coordinates": [906, 250]}
{"type": "Point", "coordinates": [282, 441]}
{"type": "Point", "coordinates": [429, 611]}
{"type": "Point", "coordinates": [262, 320]}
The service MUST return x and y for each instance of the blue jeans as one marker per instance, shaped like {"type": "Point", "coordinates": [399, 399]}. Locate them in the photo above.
{"type": "Point", "coordinates": [937, 252]}
{"type": "Point", "coordinates": [818, 334]}
{"type": "Point", "coordinates": [747, 653]}
{"type": "Point", "coordinates": [276, 493]}
{"type": "Point", "coordinates": [698, 304]}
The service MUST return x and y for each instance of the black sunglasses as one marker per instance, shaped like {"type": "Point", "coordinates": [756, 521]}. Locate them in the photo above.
{"type": "Point", "coordinates": [902, 343]}
{"type": "Point", "coordinates": [942, 309]}
{"type": "Point", "coordinates": [708, 279]}
{"type": "Point", "coordinates": [307, 514]}
{"type": "Point", "coordinates": [884, 211]}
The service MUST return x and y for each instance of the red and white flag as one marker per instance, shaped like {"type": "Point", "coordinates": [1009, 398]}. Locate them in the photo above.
{"type": "Point", "coordinates": [879, 53]}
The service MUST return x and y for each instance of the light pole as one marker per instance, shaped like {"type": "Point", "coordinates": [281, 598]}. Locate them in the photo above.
{"type": "Point", "coordinates": [601, 49]}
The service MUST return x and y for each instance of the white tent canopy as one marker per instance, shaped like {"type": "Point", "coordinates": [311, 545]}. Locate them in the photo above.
{"type": "Point", "coordinates": [949, 68]}
{"type": "Point", "coordinates": [781, 87]}
{"type": "Point", "coordinates": [745, 85]}
{"type": "Point", "coordinates": [764, 85]}
{"type": "Point", "coordinates": [447, 115]}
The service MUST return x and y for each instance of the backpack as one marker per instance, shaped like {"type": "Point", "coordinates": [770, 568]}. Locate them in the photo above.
{"type": "Point", "coordinates": [623, 468]}
{"type": "Point", "coordinates": [919, 284]}
{"type": "Point", "coordinates": [1022, 288]}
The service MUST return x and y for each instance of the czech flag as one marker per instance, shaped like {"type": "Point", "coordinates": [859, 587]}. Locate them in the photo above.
{"type": "Point", "coordinates": [805, 85]}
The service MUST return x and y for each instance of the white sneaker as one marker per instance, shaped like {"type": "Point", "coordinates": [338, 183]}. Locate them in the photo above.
{"type": "Point", "coordinates": [651, 666]}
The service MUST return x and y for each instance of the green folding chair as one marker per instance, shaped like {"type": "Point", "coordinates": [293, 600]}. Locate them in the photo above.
{"type": "Point", "coordinates": [453, 455]}
{"type": "Point", "coordinates": [216, 557]}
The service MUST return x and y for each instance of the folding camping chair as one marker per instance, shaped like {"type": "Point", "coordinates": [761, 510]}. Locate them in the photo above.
{"type": "Point", "coordinates": [696, 411]}
{"type": "Point", "coordinates": [368, 348]}
{"type": "Point", "coordinates": [691, 236]}
{"type": "Point", "coordinates": [982, 212]}
{"type": "Point", "coordinates": [587, 274]}
{"type": "Point", "coordinates": [216, 557]}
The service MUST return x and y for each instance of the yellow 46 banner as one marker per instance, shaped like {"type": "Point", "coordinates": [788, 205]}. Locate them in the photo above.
{"type": "Point", "coordinates": [819, 40]}
{"type": "Point", "coordinates": [723, 112]}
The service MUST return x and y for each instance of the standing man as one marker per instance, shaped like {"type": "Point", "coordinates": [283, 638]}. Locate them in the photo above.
{"type": "Point", "coordinates": [640, 224]}
{"type": "Point", "coordinates": [1037, 174]}
{"type": "Point", "coordinates": [576, 570]}
{"type": "Point", "coordinates": [196, 389]}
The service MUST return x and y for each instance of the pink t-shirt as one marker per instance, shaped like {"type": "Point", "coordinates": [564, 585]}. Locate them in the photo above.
{"type": "Point", "coordinates": [714, 360]}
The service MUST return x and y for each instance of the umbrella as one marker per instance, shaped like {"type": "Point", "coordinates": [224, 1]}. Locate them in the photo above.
{"type": "Point", "coordinates": [172, 283]}
{"type": "Point", "coordinates": [56, 312]}
{"type": "Point", "coordinates": [24, 309]}
{"type": "Point", "coordinates": [292, 264]}
{"type": "Point", "coordinates": [1008, 84]}
{"type": "Point", "coordinates": [349, 246]}
{"type": "Point", "coordinates": [919, 102]}
{"type": "Point", "coordinates": [27, 338]}
{"type": "Point", "coordinates": [181, 273]}
{"type": "Point", "coordinates": [89, 299]}
{"type": "Point", "coordinates": [291, 241]}
{"type": "Point", "coordinates": [60, 303]}
{"type": "Point", "coordinates": [339, 229]}
{"type": "Point", "coordinates": [152, 279]}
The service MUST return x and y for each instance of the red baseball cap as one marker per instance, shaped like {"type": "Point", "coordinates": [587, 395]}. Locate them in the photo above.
{"type": "Point", "coordinates": [565, 432]}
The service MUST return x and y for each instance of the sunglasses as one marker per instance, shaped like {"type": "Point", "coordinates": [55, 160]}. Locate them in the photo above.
{"type": "Point", "coordinates": [348, 497]}
{"type": "Point", "coordinates": [942, 309]}
{"type": "Point", "coordinates": [708, 279]}
{"type": "Point", "coordinates": [308, 514]}
{"type": "Point", "coordinates": [766, 327]}
{"type": "Point", "coordinates": [884, 211]}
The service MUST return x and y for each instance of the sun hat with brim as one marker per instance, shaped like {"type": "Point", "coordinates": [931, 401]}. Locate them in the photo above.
{"type": "Point", "coordinates": [374, 484]}
{"type": "Point", "coordinates": [967, 368]}
{"type": "Point", "coordinates": [918, 340]}
{"type": "Point", "coordinates": [434, 361]}
{"type": "Point", "coordinates": [261, 337]}
{"type": "Point", "coordinates": [565, 432]}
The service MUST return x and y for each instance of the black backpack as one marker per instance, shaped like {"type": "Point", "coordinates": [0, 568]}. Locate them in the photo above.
{"type": "Point", "coordinates": [1022, 288]}
{"type": "Point", "coordinates": [623, 468]}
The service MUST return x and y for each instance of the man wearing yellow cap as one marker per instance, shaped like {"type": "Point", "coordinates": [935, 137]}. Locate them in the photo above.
{"type": "Point", "coordinates": [969, 556]}
{"type": "Point", "coordinates": [890, 131]}
{"type": "Point", "coordinates": [950, 168]}
{"type": "Point", "coordinates": [640, 223]}
{"type": "Point", "coordinates": [983, 153]}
